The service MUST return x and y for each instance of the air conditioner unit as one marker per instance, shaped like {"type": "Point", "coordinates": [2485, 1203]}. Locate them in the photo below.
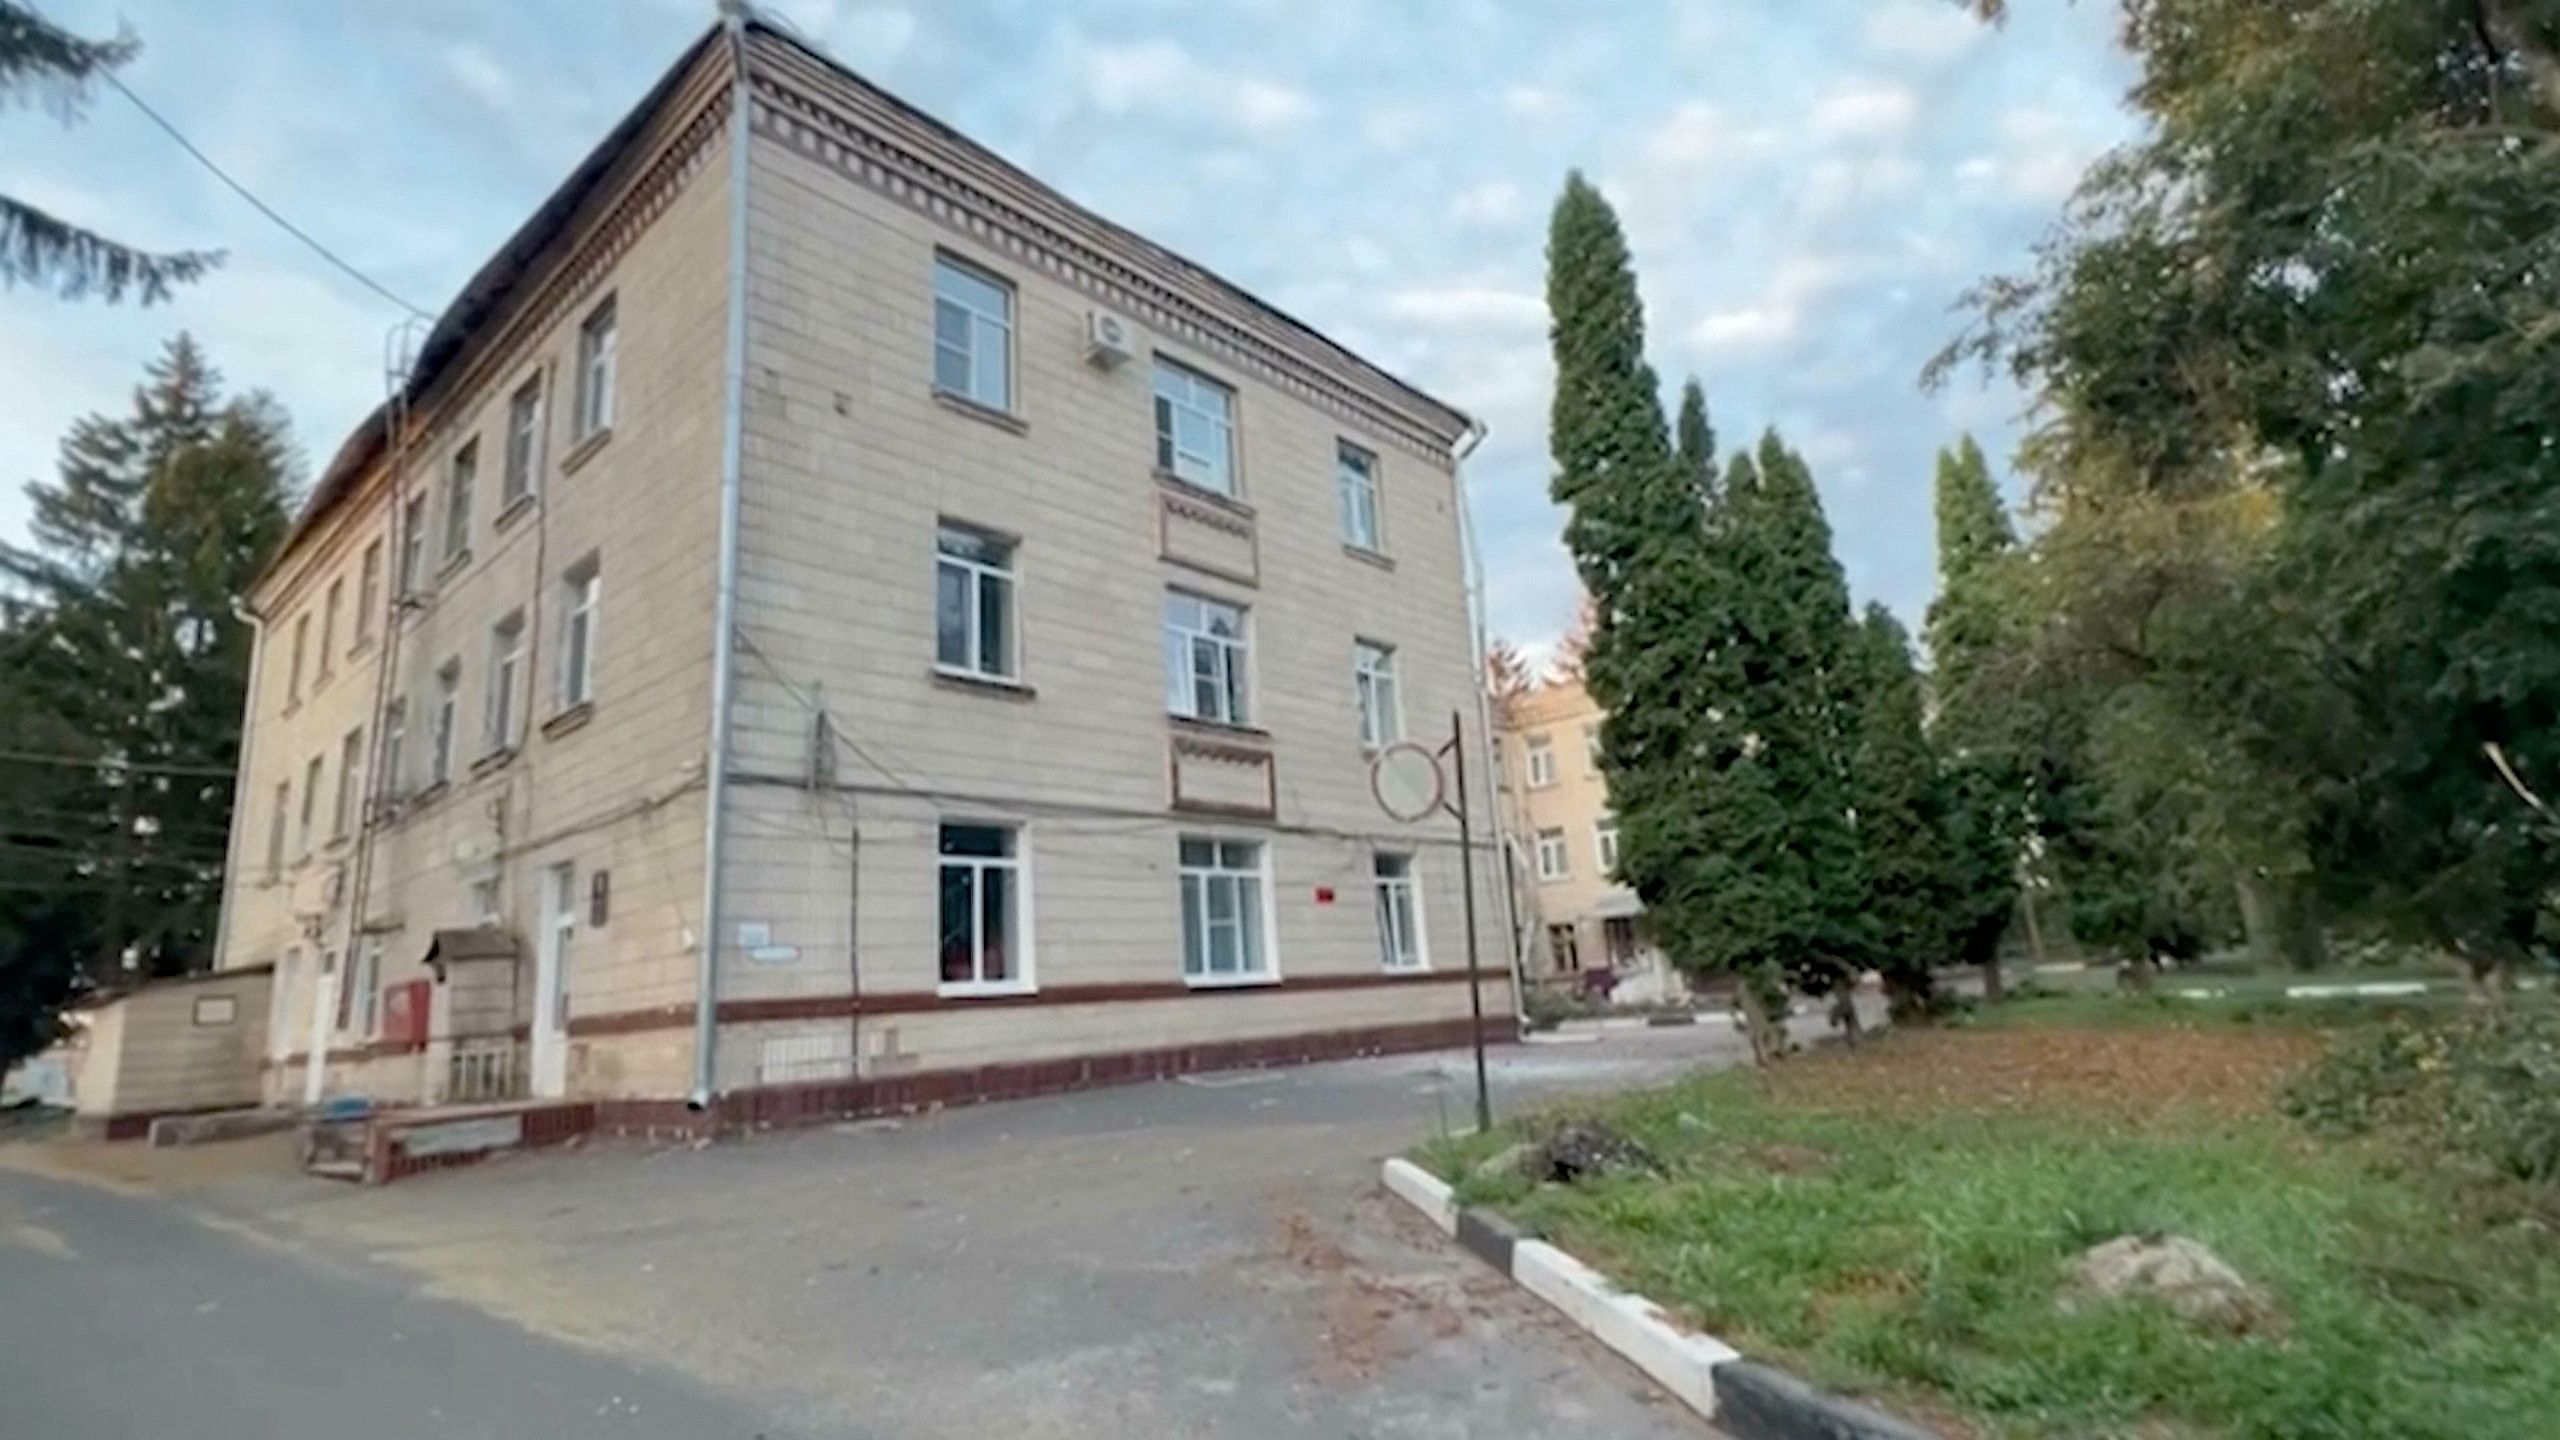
{"type": "Point", "coordinates": [1110, 340]}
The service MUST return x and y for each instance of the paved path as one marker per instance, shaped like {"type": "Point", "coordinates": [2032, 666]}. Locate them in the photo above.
{"type": "Point", "coordinates": [1209, 1257]}
{"type": "Point", "coordinates": [126, 1318]}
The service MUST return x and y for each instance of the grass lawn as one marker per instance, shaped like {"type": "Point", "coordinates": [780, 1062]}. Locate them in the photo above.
{"type": "Point", "coordinates": [1897, 1222]}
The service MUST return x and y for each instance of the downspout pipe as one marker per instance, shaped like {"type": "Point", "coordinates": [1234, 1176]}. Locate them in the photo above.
{"type": "Point", "coordinates": [1474, 560]}
{"type": "Point", "coordinates": [734, 15]}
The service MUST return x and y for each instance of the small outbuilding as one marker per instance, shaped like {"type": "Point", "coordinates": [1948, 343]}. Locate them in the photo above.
{"type": "Point", "coordinates": [179, 1046]}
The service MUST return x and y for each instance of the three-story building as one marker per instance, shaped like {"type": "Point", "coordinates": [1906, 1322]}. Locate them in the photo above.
{"type": "Point", "coordinates": [828, 623]}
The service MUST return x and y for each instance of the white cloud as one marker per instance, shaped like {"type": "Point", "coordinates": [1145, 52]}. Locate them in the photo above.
{"type": "Point", "coordinates": [1493, 205]}
{"type": "Point", "coordinates": [1397, 127]}
{"type": "Point", "coordinates": [1469, 307]}
{"type": "Point", "coordinates": [478, 72]}
{"type": "Point", "coordinates": [1160, 76]}
{"type": "Point", "coordinates": [1693, 133]}
{"type": "Point", "coordinates": [812, 18]}
{"type": "Point", "coordinates": [1364, 254]}
{"type": "Point", "coordinates": [1778, 313]}
{"type": "Point", "coordinates": [875, 35]}
{"type": "Point", "coordinates": [1532, 102]}
{"type": "Point", "coordinates": [1923, 30]}
{"type": "Point", "coordinates": [1861, 112]}
{"type": "Point", "coordinates": [2041, 158]}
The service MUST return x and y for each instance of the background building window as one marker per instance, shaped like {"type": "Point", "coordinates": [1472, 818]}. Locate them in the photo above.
{"type": "Point", "coordinates": [1355, 483]}
{"type": "Point", "coordinates": [506, 672]}
{"type": "Point", "coordinates": [1222, 911]}
{"type": "Point", "coordinates": [1590, 749]}
{"type": "Point", "coordinates": [595, 371]}
{"type": "Point", "coordinates": [350, 770]}
{"type": "Point", "coordinates": [329, 625]}
{"type": "Point", "coordinates": [982, 929]}
{"type": "Point", "coordinates": [1195, 428]}
{"type": "Point", "coordinates": [524, 442]}
{"type": "Point", "coordinates": [395, 742]}
{"type": "Point", "coordinates": [973, 603]}
{"type": "Point", "coordinates": [1399, 913]}
{"type": "Point", "coordinates": [301, 646]}
{"type": "Point", "coordinates": [1552, 861]}
{"type": "Point", "coordinates": [276, 827]}
{"type": "Point", "coordinates": [972, 334]}
{"type": "Point", "coordinates": [368, 594]}
{"type": "Point", "coordinates": [1542, 762]}
{"type": "Point", "coordinates": [1564, 947]}
{"type": "Point", "coordinates": [582, 587]}
{"type": "Point", "coordinates": [447, 721]}
{"type": "Point", "coordinates": [1373, 669]}
{"type": "Point", "coordinates": [1604, 845]}
{"type": "Point", "coordinates": [310, 798]}
{"type": "Point", "coordinates": [1204, 659]}
{"type": "Point", "coordinates": [459, 479]}
{"type": "Point", "coordinates": [413, 543]}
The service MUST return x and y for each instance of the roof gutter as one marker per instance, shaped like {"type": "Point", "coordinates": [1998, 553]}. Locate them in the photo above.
{"type": "Point", "coordinates": [734, 15]}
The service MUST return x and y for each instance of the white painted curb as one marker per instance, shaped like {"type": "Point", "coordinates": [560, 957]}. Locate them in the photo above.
{"type": "Point", "coordinates": [1682, 1361]}
{"type": "Point", "coordinates": [1425, 1192]}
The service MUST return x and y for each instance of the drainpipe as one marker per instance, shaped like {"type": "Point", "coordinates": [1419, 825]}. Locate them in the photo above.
{"type": "Point", "coordinates": [706, 1003]}
{"type": "Point", "coordinates": [1474, 560]}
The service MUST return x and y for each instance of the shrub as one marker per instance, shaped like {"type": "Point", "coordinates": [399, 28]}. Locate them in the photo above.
{"type": "Point", "coordinates": [2484, 1086]}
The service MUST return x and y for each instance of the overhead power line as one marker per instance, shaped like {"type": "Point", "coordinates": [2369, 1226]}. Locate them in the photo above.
{"type": "Point", "coordinates": [101, 762]}
{"type": "Point", "coordinates": [262, 207]}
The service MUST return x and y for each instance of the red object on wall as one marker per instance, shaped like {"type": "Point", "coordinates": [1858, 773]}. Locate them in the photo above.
{"type": "Point", "coordinates": [1324, 894]}
{"type": "Point", "coordinates": [404, 1014]}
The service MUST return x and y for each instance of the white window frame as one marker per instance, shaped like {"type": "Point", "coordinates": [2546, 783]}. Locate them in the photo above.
{"type": "Point", "coordinates": [461, 476]}
{"type": "Point", "coordinates": [488, 900]}
{"type": "Point", "coordinates": [1542, 760]}
{"type": "Point", "coordinates": [1355, 484]}
{"type": "Point", "coordinates": [1394, 894]}
{"type": "Point", "coordinates": [1025, 980]}
{"type": "Point", "coordinates": [574, 683]}
{"type": "Point", "coordinates": [1187, 640]}
{"type": "Point", "coordinates": [498, 713]}
{"type": "Point", "coordinates": [368, 594]}
{"type": "Point", "coordinates": [599, 340]}
{"type": "Point", "coordinates": [978, 328]}
{"type": "Point", "coordinates": [413, 543]}
{"type": "Point", "coordinates": [1207, 878]}
{"type": "Point", "coordinates": [364, 1009]}
{"type": "Point", "coordinates": [1376, 694]}
{"type": "Point", "coordinates": [1604, 845]}
{"type": "Point", "coordinates": [522, 472]}
{"type": "Point", "coordinates": [395, 739]}
{"type": "Point", "coordinates": [342, 812]}
{"type": "Point", "coordinates": [446, 737]}
{"type": "Point", "coordinates": [978, 577]}
{"type": "Point", "coordinates": [1555, 856]}
{"type": "Point", "coordinates": [1179, 391]}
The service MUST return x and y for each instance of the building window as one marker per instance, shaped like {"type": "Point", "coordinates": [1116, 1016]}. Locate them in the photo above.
{"type": "Point", "coordinates": [524, 443]}
{"type": "Point", "coordinates": [506, 672]}
{"type": "Point", "coordinates": [1399, 913]}
{"type": "Point", "coordinates": [1355, 483]}
{"type": "Point", "coordinates": [1552, 862]}
{"type": "Point", "coordinates": [395, 742]}
{"type": "Point", "coordinates": [350, 769]}
{"type": "Point", "coordinates": [973, 604]}
{"type": "Point", "coordinates": [595, 371]}
{"type": "Point", "coordinates": [1604, 844]}
{"type": "Point", "coordinates": [447, 722]}
{"type": "Point", "coordinates": [984, 937]}
{"type": "Point", "coordinates": [329, 626]}
{"type": "Point", "coordinates": [1373, 673]}
{"type": "Point", "coordinates": [484, 900]}
{"type": "Point", "coordinates": [1564, 947]}
{"type": "Point", "coordinates": [1195, 428]}
{"type": "Point", "coordinates": [1222, 907]}
{"type": "Point", "coordinates": [363, 1006]}
{"type": "Point", "coordinates": [310, 798]}
{"type": "Point", "coordinates": [1204, 659]}
{"type": "Point", "coordinates": [1618, 938]}
{"type": "Point", "coordinates": [301, 645]}
{"type": "Point", "coordinates": [582, 588]}
{"type": "Point", "coordinates": [459, 475]}
{"type": "Point", "coordinates": [1590, 749]}
{"type": "Point", "coordinates": [972, 334]}
{"type": "Point", "coordinates": [215, 1010]}
{"type": "Point", "coordinates": [1542, 762]}
{"type": "Point", "coordinates": [275, 827]}
{"type": "Point", "coordinates": [413, 543]}
{"type": "Point", "coordinates": [368, 594]}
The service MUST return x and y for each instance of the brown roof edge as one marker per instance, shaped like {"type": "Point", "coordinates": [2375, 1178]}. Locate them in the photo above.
{"type": "Point", "coordinates": [96, 998]}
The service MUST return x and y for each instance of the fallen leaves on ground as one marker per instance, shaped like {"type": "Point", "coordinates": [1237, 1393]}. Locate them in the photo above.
{"type": "Point", "coordinates": [2121, 1072]}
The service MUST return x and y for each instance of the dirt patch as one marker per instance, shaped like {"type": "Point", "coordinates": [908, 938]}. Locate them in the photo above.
{"type": "Point", "coordinates": [2125, 1073]}
{"type": "Point", "coordinates": [1368, 1321]}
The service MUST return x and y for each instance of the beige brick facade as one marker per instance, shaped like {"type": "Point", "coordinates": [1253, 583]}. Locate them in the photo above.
{"type": "Point", "coordinates": [849, 749]}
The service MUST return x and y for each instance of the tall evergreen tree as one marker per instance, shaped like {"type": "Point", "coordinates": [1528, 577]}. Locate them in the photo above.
{"type": "Point", "coordinates": [128, 662]}
{"type": "Point", "coordinates": [41, 61]}
{"type": "Point", "coordinates": [1973, 641]}
{"type": "Point", "coordinates": [1902, 820]}
{"type": "Point", "coordinates": [1694, 440]}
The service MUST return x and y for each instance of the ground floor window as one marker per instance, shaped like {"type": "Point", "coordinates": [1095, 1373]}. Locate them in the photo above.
{"type": "Point", "coordinates": [1620, 934]}
{"type": "Point", "coordinates": [1222, 906]}
{"type": "Point", "coordinates": [982, 930]}
{"type": "Point", "coordinates": [1399, 917]}
{"type": "Point", "coordinates": [1564, 947]}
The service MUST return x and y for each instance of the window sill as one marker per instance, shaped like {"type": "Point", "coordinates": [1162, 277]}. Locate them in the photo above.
{"type": "Point", "coordinates": [453, 564]}
{"type": "Point", "coordinates": [573, 719]}
{"type": "Point", "coordinates": [1204, 494]}
{"type": "Point", "coordinates": [495, 760]}
{"type": "Point", "coordinates": [1222, 728]}
{"type": "Point", "coordinates": [977, 684]}
{"type": "Point", "coordinates": [1231, 982]}
{"type": "Point", "coordinates": [360, 649]}
{"type": "Point", "coordinates": [514, 508]}
{"type": "Point", "coordinates": [580, 453]}
{"type": "Point", "coordinates": [420, 800]}
{"type": "Point", "coordinates": [1367, 556]}
{"type": "Point", "coordinates": [952, 990]}
{"type": "Point", "coordinates": [1405, 972]}
{"type": "Point", "coordinates": [959, 404]}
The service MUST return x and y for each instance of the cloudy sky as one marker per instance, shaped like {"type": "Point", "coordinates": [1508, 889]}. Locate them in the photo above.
{"type": "Point", "coordinates": [1807, 187]}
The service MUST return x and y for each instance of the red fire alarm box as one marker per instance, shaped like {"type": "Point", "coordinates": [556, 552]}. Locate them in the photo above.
{"type": "Point", "coordinates": [1324, 894]}
{"type": "Point", "coordinates": [404, 1013]}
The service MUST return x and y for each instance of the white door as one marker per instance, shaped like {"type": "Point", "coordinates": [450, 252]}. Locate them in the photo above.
{"type": "Point", "coordinates": [324, 1005]}
{"type": "Point", "coordinates": [550, 994]}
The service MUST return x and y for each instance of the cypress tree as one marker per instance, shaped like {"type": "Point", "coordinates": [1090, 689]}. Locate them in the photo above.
{"type": "Point", "coordinates": [1901, 818]}
{"type": "Point", "coordinates": [1988, 775]}
{"type": "Point", "coordinates": [1694, 440]}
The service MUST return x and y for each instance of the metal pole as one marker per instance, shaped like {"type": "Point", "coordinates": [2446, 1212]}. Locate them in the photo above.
{"type": "Point", "coordinates": [1467, 883]}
